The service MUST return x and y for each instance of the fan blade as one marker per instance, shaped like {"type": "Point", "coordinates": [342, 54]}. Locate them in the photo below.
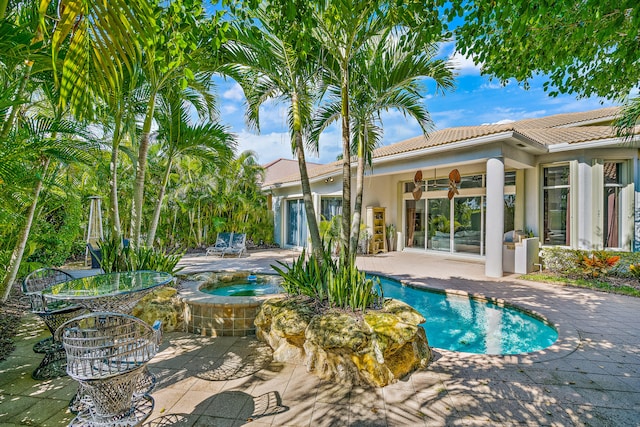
{"type": "Point", "coordinates": [454, 176]}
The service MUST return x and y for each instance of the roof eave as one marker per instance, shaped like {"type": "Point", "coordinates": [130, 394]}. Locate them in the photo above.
{"type": "Point", "coordinates": [569, 146]}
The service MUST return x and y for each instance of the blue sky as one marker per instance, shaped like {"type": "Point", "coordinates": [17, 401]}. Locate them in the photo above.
{"type": "Point", "coordinates": [476, 100]}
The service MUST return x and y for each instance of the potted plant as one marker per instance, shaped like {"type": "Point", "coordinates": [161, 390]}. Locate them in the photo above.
{"type": "Point", "coordinates": [391, 236]}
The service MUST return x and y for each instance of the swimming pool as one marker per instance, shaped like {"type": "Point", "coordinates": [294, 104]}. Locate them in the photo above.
{"type": "Point", "coordinates": [461, 323]}
{"type": "Point", "coordinates": [453, 322]}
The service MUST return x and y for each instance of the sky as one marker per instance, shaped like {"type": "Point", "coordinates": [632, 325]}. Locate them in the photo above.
{"type": "Point", "coordinates": [476, 100]}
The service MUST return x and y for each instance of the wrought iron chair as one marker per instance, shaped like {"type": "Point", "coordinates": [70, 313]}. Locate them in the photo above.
{"type": "Point", "coordinates": [53, 313]}
{"type": "Point", "coordinates": [107, 354]}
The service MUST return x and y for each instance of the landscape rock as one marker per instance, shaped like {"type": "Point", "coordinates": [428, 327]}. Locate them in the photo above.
{"type": "Point", "coordinates": [376, 348]}
{"type": "Point", "coordinates": [161, 304]}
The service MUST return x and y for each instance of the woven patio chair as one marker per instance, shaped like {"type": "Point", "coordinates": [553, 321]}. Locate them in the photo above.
{"type": "Point", "coordinates": [53, 313]}
{"type": "Point", "coordinates": [107, 354]}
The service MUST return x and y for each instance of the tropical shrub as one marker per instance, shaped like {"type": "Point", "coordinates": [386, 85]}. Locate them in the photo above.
{"type": "Point", "coordinates": [118, 255]}
{"type": "Point", "coordinates": [307, 276]}
{"type": "Point", "coordinates": [598, 263]}
{"type": "Point", "coordinates": [560, 260]}
{"type": "Point", "coordinates": [576, 262]}
{"type": "Point", "coordinates": [634, 270]}
{"type": "Point", "coordinates": [55, 231]}
{"type": "Point", "coordinates": [331, 283]}
{"type": "Point", "coordinates": [350, 288]}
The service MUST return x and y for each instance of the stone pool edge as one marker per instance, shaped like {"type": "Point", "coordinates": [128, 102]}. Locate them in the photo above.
{"type": "Point", "coordinates": [216, 316]}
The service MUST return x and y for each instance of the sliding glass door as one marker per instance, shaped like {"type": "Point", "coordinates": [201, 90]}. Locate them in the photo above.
{"type": "Point", "coordinates": [467, 214]}
{"type": "Point", "coordinates": [439, 224]}
{"type": "Point", "coordinates": [296, 223]}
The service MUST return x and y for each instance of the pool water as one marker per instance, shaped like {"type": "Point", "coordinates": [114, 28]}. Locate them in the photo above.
{"type": "Point", "coordinates": [257, 285]}
{"type": "Point", "coordinates": [464, 324]}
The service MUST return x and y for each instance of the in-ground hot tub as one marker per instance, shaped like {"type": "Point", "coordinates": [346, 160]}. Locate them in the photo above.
{"type": "Point", "coordinates": [230, 314]}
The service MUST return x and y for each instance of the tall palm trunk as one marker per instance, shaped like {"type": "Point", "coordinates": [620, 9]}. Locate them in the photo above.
{"type": "Point", "coordinates": [314, 231]}
{"type": "Point", "coordinates": [3, 8]}
{"type": "Point", "coordinates": [138, 189]}
{"type": "Point", "coordinates": [114, 210]}
{"type": "Point", "coordinates": [151, 234]}
{"type": "Point", "coordinates": [357, 209]}
{"type": "Point", "coordinates": [346, 165]}
{"type": "Point", "coordinates": [21, 244]}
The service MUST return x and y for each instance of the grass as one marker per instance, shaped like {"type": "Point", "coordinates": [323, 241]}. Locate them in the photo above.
{"type": "Point", "coordinates": [607, 284]}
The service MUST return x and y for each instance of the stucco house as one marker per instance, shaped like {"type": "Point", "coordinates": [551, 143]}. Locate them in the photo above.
{"type": "Point", "coordinates": [566, 179]}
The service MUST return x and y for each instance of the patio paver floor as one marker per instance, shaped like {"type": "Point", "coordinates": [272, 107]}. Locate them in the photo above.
{"type": "Point", "coordinates": [590, 377]}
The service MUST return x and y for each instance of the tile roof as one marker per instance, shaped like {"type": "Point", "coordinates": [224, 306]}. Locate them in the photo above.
{"type": "Point", "coordinates": [280, 169]}
{"type": "Point", "coordinates": [571, 128]}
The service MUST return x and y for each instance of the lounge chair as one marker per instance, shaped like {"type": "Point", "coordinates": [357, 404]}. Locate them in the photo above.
{"type": "Point", "coordinates": [237, 246]}
{"type": "Point", "coordinates": [223, 242]}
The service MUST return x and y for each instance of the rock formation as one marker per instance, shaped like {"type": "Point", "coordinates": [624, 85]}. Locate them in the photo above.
{"type": "Point", "coordinates": [375, 348]}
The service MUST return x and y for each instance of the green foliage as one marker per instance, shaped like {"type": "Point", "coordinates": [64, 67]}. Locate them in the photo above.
{"type": "Point", "coordinates": [634, 270]}
{"type": "Point", "coordinates": [583, 263]}
{"type": "Point", "coordinates": [598, 263]}
{"type": "Point", "coordinates": [117, 256]}
{"type": "Point", "coordinates": [144, 258]}
{"type": "Point", "coordinates": [307, 276]}
{"type": "Point", "coordinates": [350, 288]}
{"type": "Point", "coordinates": [56, 230]}
{"type": "Point", "coordinates": [560, 260]}
{"type": "Point", "coordinates": [331, 283]}
{"type": "Point", "coordinates": [114, 254]}
{"type": "Point", "coordinates": [587, 48]}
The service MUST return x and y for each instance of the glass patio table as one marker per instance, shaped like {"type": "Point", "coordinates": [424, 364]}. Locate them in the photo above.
{"type": "Point", "coordinates": [114, 292]}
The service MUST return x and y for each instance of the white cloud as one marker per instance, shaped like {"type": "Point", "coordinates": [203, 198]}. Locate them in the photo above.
{"type": "Point", "coordinates": [273, 116]}
{"type": "Point", "coordinates": [449, 118]}
{"type": "Point", "coordinates": [276, 145]}
{"type": "Point", "coordinates": [229, 108]}
{"type": "Point", "coordinates": [463, 64]}
{"type": "Point", "coordinates": [501, 122]}
{"type": "Point", "coordinates": [493, 85]}
{"type": "Point", "coordinates": [234, 93]}
{"type": "Point", "coordinates": [268, 147]}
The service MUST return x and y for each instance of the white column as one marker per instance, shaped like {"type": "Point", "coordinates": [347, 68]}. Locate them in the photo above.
{"type": "Point", "coordinates": [495, 218]}
{"type": "Point", "coordinates": [587, 204]}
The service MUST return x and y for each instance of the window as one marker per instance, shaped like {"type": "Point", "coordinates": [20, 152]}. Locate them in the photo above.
{"type": "Point", "coordinates": [330, 207]}
{"type": "Point", "coordinates": [611, 208]}
{"type": "Point", "coordinates": [556, 205]}
{"type": "Point", "coordinates": [510, 178]}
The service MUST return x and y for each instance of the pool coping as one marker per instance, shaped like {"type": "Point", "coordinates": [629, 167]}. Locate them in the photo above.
{"type": "Point", "coordinates": [190, 291]}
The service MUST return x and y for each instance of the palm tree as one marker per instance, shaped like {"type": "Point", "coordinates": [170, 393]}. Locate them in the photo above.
{"type": "Point", "coordinates": [101, 40]}
{"type": "Point", "coordinates": [264, 60]}
{"type": "Point", "coordinates": [37, 143]}
{"type": "Point", "coordinates": [168, 63]}
{"type": "Point", "coordinates": [344, 27]}
{"type": "Point", "coordinates": [211, 142]}
{"type": "Point", "coordinates": [390, 71]}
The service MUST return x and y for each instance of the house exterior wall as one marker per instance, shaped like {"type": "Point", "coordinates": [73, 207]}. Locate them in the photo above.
{"type": "Point", "coordinates": [385, 186]}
